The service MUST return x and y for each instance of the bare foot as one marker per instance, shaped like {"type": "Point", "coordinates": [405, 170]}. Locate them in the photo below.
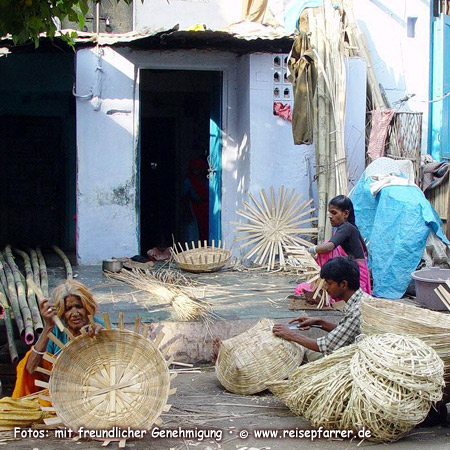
{"type": "Point", "coordinates": [215, 349]}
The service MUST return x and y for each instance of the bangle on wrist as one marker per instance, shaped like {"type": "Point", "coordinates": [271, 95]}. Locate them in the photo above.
{"type": "Point", "coordinates": [36, 351]}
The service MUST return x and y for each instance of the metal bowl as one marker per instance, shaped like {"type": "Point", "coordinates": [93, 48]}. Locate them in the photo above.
{"type": "Point", "coordinates": [112, 265]}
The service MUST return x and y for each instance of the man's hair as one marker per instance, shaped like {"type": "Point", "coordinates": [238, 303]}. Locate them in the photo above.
{"type": "Point", "coordinates": [342, 268]}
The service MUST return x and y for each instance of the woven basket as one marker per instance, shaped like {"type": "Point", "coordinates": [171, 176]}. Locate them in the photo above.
{"type": "Point", "coordinates": [432, 327]}
{"type": "Point", "coordinates": [247, 361]}
{"type": "Point", "coordinates": [203, 259]}
{"type": "Point", "coordinates": [82, 376]}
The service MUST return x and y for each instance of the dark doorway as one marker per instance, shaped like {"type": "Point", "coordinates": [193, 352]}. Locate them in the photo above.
{"type": "Point", "coordinates": [37, 150]}
{"type": "Point", "coordinates": [176, 110]}
{"type": "Point", "coordinates": [33, 184]}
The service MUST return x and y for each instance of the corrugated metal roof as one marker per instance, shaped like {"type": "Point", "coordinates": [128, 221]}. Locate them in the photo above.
{"type": "Point", "coordinates": [243, 37]}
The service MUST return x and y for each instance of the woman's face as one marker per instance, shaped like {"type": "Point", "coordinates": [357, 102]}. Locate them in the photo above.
{"type": "Point", "coordinates": [337, 216]}
{"type": "Point", "coordinates": [75, 315]}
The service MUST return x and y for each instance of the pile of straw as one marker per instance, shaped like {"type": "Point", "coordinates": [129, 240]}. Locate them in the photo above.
{"type": "Point", "coordinates": [384, 383]}
{"type": "Point", "coordinates": [247, 361]}
{"type": "Point", "coordinates": [385, 316]}
{"type": "Point", "coordinates": [185, 307]}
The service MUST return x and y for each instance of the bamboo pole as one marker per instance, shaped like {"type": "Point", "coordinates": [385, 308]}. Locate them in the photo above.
{"type": "Point", "coordinates": [43, 272]}
{"type": "Point", "coordinates": [9, 329]}
{"type": "Point", "coordinates": [41, 297]}
{"type": "Point", "coordinates": [67, 265]}
{"type": "Point", "coordinates": [24, 308]}
{"type": "Point", "coordinates": [12, 295]}
{"type": "Point", "coordinates": [35, 266]}
{"type": "Point", "coordinates": [322, 132]}
{"type": "Point", "coordinates": [31, 297]}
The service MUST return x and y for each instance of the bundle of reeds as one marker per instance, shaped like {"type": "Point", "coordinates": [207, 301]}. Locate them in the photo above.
{"type": "Point", "coordinates": [31, 297]}
{"type": "Point", "coordinates": [13, 277]}
{"type": "Point", "coordinates": [9, 327]}
{"type": "Point", "coordinates": [186, 307]}
{"type": "Point", "coordinates": [327, 26]}
{"type": "Point", "coordinates": [275, 222]}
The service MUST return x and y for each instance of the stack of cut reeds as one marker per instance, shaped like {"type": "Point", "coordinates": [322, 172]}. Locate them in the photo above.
{"type": "Point", "coordinates": [18, 297]}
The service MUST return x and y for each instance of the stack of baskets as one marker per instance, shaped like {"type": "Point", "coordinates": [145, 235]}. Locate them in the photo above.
{"type": "Point", "coordinates": [201, 259]}
{"type": "Point", "coordinates": [384, 383]}
{"type": "Point", "coordinates": [385, 316]}
{"type": "Point", "coordinates": [247, 361]}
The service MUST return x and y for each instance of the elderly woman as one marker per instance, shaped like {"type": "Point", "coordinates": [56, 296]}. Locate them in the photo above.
{"type": "Point", "coordinates": [73, 303]}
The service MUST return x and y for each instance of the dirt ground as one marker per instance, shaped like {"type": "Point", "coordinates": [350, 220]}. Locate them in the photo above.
{"type": "Point", "coordinates": [201, 405]}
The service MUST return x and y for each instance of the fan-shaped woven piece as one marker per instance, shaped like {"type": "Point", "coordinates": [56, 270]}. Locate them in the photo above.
{"type": "Point", "coordinates": [247, 361]}
{"type": "Point", "coordinates": [118, 378]}
{"type": "Point", "coordinates": [385, 316]}
{"type": "Point", "coordinates": [201, 259]}
{"type": "Point", "coordinates": [275, 222]}
{"type": "Point", "coordinates": [384, 383]}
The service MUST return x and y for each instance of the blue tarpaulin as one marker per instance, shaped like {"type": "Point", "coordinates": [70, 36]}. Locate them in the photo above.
{"type": "Point", "coordinates": [395, 223]}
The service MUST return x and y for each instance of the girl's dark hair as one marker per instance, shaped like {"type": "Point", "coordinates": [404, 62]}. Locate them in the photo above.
{"type": "Point", "coordinates": [340, 269]}
{"type": "Point", "coordinates": [344, 204]}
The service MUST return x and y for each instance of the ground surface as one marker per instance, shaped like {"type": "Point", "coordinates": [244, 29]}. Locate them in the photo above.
{"type": "Point", "coordinates": [200, 402]}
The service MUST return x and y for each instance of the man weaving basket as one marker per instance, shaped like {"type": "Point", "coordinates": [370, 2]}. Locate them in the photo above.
{"type": "Point", "coordinates": [341, 277]}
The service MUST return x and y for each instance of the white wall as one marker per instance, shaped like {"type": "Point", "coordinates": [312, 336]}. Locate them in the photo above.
{"type": "Point", "coordinates": [401, 63]}
{"type": "Point", "coordinates": [355, 119]}
{"type": "Point", "coordinates": [107, 130]}
{"type": "Point", "coordinates": [165, 14]}
{"type": "Point", "coordinates": [275, 160]}
{"type": "Point", "coordinates": [106, 162]}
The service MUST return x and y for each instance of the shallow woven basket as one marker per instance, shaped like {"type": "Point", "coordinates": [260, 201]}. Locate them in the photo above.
{"type": "Point", "coordinates": [432, 327]}
{"type": "Point", "coordinates": [203, 259]}
{"type": "Point", "coordinates": [247, 361]}
{"type": "Point", "coordinates": [82, 377]}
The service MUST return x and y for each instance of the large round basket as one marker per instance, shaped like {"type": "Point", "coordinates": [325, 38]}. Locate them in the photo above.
{"type": "Point", "coordinates": [248, 361]}
{"type": "Point", "coordinates": [202, 259]}
{"type": "Point", "coordinates": [118, 378]}
{"type": "Point", "coordinates": [385, 316]}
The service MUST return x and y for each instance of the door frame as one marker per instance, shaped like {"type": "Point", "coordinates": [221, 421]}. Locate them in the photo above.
{"type": "Point", "coordinates": [221, 62]}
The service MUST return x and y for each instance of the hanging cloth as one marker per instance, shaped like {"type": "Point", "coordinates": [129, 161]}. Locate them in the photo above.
{"type": "Point", "coordinates": [303, 76]}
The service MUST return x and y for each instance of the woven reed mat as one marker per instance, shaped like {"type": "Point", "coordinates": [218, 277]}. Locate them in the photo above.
{"type": "Point", "coordinates": [119, 378]}
{"type": "Point", "coordinates": [247, 361]}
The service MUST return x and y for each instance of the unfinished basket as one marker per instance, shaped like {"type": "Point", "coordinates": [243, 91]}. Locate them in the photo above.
{"type": "Point", "coordinates": [201, 259]}
{"type": "Point", "coordinates": [385, 383]}
{"type": "Point", "coordinates": [116, 379]}
{"type": "Point", "coordinates": [432, 327]}
{"type": "Point", "coordinates": [277, 221]}
{"type": "Point", "coordinates": [247, 361]}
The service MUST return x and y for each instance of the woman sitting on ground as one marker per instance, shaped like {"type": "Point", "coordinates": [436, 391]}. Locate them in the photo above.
{"type": "Point", "coordinates": [73, 303]}
{"type": "Point", "coordinates": [346, 241]}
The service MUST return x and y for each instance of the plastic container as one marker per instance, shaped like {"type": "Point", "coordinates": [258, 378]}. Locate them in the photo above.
{"type": "Point", "coordinates": [426, 281]}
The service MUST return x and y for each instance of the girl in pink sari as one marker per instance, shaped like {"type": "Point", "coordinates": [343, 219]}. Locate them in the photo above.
{"type": "Point", "coordinates": [346, 241]}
